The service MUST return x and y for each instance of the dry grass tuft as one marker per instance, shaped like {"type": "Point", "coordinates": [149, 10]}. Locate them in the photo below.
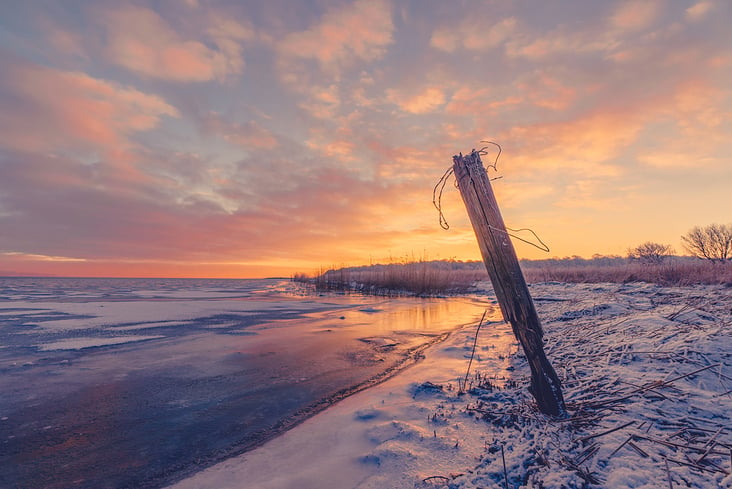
{"type": "Point", "coordinates": [420, 278]}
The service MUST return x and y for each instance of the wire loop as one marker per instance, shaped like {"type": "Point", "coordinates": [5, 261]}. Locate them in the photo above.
{"type": "Point", "coordinates": [440, 187]}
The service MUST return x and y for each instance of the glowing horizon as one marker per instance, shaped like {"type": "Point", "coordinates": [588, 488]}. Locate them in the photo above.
{"type": "Point", "coordinates": [252, 139]}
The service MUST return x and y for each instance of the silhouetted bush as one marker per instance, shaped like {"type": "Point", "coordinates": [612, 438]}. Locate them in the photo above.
{"type": "Point", "coordinates": [650, 253]}
{"type": "Point", "coordinates": [712, 242]}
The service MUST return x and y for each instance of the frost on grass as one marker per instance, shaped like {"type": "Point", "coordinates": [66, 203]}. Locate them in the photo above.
{"type": "Point", "coordinates": [647, 375]}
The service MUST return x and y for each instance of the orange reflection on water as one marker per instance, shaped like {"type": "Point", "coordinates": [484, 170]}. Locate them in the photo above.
{"type": "Point", "coordinates": [421, 315]}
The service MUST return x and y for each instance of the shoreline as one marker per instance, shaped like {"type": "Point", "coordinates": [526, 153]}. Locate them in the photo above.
{"type": "Point", "coordinates": [628, 357]}
{"type": "Point", "coordinates": [410, 358]}
{"type": "Point", "coordinates": [331, 448]}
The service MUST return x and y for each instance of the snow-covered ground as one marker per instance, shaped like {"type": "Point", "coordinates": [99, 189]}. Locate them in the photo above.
{"type": "Point", "coordinates": [647, 375]}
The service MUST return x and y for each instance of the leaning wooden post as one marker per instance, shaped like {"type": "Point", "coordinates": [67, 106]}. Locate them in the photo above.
{"type": "Point", "coordinates": [508, 281]}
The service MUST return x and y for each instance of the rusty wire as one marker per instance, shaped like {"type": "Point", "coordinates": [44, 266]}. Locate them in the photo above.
{"type": "Point", "coordinates": [440, 187]}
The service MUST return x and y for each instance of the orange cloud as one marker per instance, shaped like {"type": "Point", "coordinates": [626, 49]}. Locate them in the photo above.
{"type": "Point", "coordinates": [635, 15]}
{"type": "Point", "coordinates": [468, 100]}
{"type": "Point", "coordinates": [359, 31]}
{"type": "Point", "coordinates": [427, 100]}
{"type": "Point", "coordinates": [696, 134]}
{"type": "Point", "coordinates": [339, 150]}
{"type": "Point", "coordinates": [56, 110]}
{"type": "Point", "coordinates": [547, 91]}
{"type": "Point", "coordinates": [586, 142]}
{"type": "Point", "coordinates": [609, 38]}
{"type": "Point", "coordinates": [701, 105]}
{"type": "Point", "coordinates": [321, 102]}
{"type": "Point", "coordinates": [699, 10]}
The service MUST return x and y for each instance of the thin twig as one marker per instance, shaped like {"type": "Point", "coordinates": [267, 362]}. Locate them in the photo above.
{"type": "Point", "coordinates": [668, 474]}
{"type": "Point", "coordinates": [638, 449]}
{"type": "Point", "coordinates": [592, 450]}
{"type": "Point", "coordinates": [475, 344]}
{"type": "Point", "coordinates": [673, 445]}
{"type": "Point", "coordinates": [651, 386]}
{"type": "Point", "coordinates": [621, 446]}
{"type": "Point", "coordinates": [696, 466]}
{"type": "Point", "coordinates": [714, 437]}
{"type": "Point", "coordinates": [505, 472]}
{"type": "Point", "coordinates": [707, 452]}
{"type": "Point", "coordinates": [589, 437]}
{"type": "Point", "coordinates": [435, 477]}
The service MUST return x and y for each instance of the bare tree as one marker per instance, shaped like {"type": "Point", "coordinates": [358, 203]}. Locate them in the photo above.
{"type": "Point", "coordinates": [712, 242]}
{"type": "Point", "coordinates": [650, 253]}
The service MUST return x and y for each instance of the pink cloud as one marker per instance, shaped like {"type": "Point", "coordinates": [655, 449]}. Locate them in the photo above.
{"type": "Point", "coordinates": [590, 143]}
{"type": "Point", "coordinates": [56, 110]}
{"type": "Point", "coordinates": [700, 105]}
{"type": "Point", "coordinates": [320, 102]}
{"type": "Point", "coordinates": [696, 133]}
{"type": "Point", "coordinates": [340, 150]}
{"type": "Point", "coordinates": [537, 47]}
{"type": "Point", "coordinates": [359, 31]}
{"type": "Point", "coordinates": [468, 100]}
{"type": "Point", "coordinates": [699, 10]}
{"type": "Point", "coordinates": [535, 90]}
{"type": "Point", "coordinates": [583, 142]}
{"type": "Point", "coordinates": [547, 91]}
{"type": "Point", "coordinates": [142, 41]}
{"type": "Point", "coordinates": [65, 42]}
{"type": "Point", "coordinates": [634, 15]}
{"type": "Point", "coordinates": [427, 100]}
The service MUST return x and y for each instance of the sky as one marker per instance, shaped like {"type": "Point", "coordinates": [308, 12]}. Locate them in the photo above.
{"type": "Point", "coordinates": [195, 138]}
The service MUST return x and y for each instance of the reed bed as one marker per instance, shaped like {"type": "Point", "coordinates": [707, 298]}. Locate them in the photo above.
{"type": "Point", "coordinates": [673, 272]}
{"type": "Point", "coordinates": [414, 278]}
{"type": "Point", "coordinates": [435, 278]}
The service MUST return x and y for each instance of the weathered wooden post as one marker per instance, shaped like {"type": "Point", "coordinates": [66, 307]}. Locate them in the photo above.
{"type": "Point", "coordinates": [508, 281]}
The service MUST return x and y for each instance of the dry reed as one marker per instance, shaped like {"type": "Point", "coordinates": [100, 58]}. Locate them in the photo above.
{"type": "Point", "coordinates": [434, 278]}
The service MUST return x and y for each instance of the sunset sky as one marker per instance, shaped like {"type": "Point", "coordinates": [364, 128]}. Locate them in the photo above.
{"type": "Point", "coordinates": [248, 138]}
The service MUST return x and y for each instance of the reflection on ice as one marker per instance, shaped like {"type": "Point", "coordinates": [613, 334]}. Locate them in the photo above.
{"type": "Point", "coordinates": [423, 315]}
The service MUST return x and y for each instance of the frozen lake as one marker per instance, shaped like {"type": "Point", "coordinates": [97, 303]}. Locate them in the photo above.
{"type": "Point", "coordinates": [112, 383]}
